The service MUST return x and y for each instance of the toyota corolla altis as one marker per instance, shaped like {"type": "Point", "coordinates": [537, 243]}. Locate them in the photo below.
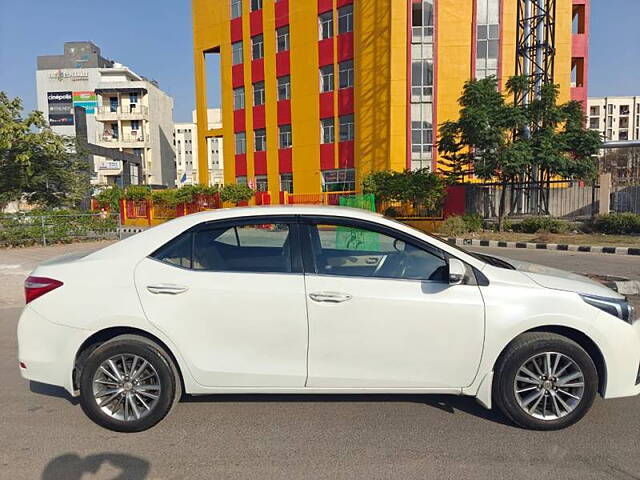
{"type": "Point", "coordinates": [319, 300]}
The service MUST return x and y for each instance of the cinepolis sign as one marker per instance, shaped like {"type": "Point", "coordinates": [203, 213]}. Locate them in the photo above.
{"type": "Point", "coordinates": [73, 75]}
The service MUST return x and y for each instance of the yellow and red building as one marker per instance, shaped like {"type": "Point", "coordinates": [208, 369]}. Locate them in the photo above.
{"type": "Point", "coordinates": [318, 93]}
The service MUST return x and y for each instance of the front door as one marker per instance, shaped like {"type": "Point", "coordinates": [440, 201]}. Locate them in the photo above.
{"type": "Point", "coordinates": [383, 314]}
{"type": "Point", "coordinates": [231, 297]}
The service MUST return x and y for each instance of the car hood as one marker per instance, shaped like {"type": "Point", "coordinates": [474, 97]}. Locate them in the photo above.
{"type": "Point", "coordinates": [557, 279]}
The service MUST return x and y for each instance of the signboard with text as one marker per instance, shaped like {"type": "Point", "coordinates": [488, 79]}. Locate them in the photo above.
{"type": "Point", "coordinates": [86, 100]}
{"type": "Point", "coordinates": [60, 108]}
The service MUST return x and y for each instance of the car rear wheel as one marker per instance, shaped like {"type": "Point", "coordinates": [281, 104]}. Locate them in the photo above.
{"type": "Point", "coordinates": [128, 384]}
{"type": "Point", "coordinates": [545, 381]}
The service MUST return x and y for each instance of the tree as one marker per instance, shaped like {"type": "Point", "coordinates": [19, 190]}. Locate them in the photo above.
{"type": "Point", "coordinates": [236, 193]}
{"type": "Point", "coordinates": [36, 165]}
{"type": "Point", "coordinates": [420, 188]}
{"type": "Point", "coordinates": [497, 139]}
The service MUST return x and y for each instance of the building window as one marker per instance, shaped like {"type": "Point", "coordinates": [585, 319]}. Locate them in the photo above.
{"type": "Point", "coordinates": [325, 25]}
{"type": "Point", "coordinates": [347, 128]}
{"type": "Point", "coordinates": [286, 140]}
{"type": "Point", "coordinates": [624, 110]}
{"type": "Point", "coordinates": [282, 39]}
{"type": "Point", "coordinates": [421, 135]}
{"type": "Point", "coordinates": [262, 183]}
{"type": "Point", "coordinates": [421, 80]}
{"type": "Point", "coordinates": [241, 180]}
{"type": "Point", "coordinates": [258, 93]}
{"type": "Point", "coordinates": [135, 126]}
{"type": "Point", "coordinates": [286, 182]}
{"type": "Point", "coordinates": [236, 9]}
{"type": "Point", "coordinates": [284, 88]}
{"type": "Point", "coordinates": [339, 180]}
{"type": "Point", "coordinates": [346, 74]}
{"type": "Point", "coordinates": [326, 79]}
{"type": "Point", "coordinates": [260, 136]}
{"type": "Point", "coordinates": [422, 21]}
{"type": "Point", "coordinates": [327, 130]}
{"type": "Point", "coordinates": [238, 98]}
{"type": "Point", "coordinates": [345, 19]}
{"type": "Point", "coordinates": [488, 38]}
{"type": "Point", "coordinates": [624, 122]}
{"type": "Point", "coordinates": [623, 135]}
{"type": "Point", "coordinates": [256, 5]}
{"type": "Point", "coordinates": [236, 53]}
{"type": "Point", "coordinates": [594, 123]}
{"type": "Point", "coordinates": [241, 143]}
{"type": "Point", "coordinates": [257, 47]}
{"type": "Point", "coordinates": [594, 111]}
{"type": "Point", "coordinates": [610, 108]}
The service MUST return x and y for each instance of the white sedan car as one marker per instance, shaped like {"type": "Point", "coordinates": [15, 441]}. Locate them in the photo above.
{"type": "Point", "coordinates": [319, 300]}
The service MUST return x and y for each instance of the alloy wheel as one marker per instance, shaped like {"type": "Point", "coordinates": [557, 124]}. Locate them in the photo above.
{"type": "Point", "coordinates": [549, 386]}
{"type": "Point", "coordinates": [126, 387]}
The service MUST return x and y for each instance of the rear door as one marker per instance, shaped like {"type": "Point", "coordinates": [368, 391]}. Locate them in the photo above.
{"type": "Point", "coordinates": [231, 297]}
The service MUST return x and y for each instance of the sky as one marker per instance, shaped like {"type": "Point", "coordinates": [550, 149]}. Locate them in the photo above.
{"type": "Point", "coordinates": [153, 38]}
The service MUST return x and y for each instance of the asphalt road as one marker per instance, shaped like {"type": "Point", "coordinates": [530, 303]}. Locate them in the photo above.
{"type": "Point", "coordinates": [44, 434]}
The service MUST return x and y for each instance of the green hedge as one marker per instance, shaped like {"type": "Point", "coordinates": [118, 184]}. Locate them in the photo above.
{"type": "Point", "coordinates": [459, 225]}
{"type": "Point", "coordinates": [541, 225]}
{"type": "Point", "coordinates": [60, 226]}
{"type": "Point", "coordinates": [617, 223]}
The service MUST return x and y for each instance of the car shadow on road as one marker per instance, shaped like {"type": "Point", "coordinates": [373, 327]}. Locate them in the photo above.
{"type": "Point", "coordinates": [52, 391]}
{"type": "Point", "coordinates": [110, 465]}
{"type": "Point", "coordinates": [451, 404]}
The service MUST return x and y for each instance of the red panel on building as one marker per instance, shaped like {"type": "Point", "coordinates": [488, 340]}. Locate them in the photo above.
{"type": "Point", "coordinates": [345, 46]}
{"type": "Point", "coordinates": [325, 52]}
{"type": "Point", "coordinates": [346, 155]}
{"type": "Point", "coordinates": [260, 163]}
{"type": "Point", "coordinates": [241, 165]}
{"type": "Point", "coordinates": [283, 64]}
{"type": "Point", "coordinates": [327, 156]}
{"type": "Point", "coordinates": [325, 5]}
{"type": "Point", "coordinates": [284, 112]}
{"type": "Point", "coordinates": [345, 101]}
{"type": "Point", "coordinates": [255, 22]}
{"type": "Point", "coordinates": [259, 117]}
{"type": "Point", "coordinates": [239, 121]}
{"type": "Point", "coordinates": [257, 70]}
{"type": "Point", "coordinates": [237, 75]}
{"type": "Point", "coordinates": [326, 105]}
{"type": "Point", "coordinates": [285, 160]}
{"type": "Point", "coordinates": [282, 13]}
{"type": "Point", "coordinates": [342, 3]}
{"type": "Point", "coordinates": [236, 29]}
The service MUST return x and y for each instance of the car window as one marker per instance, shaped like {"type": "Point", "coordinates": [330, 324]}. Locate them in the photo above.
{"type": "Point", "coordinates": [352, 251]}
{"type": "Point", "coordinates": [176, 252]}
{"type": "Point", "coordinates": [243, 248]}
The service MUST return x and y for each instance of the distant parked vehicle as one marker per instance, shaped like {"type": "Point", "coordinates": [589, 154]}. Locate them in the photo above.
{"type": "Point", "coordinates": [320, 300]}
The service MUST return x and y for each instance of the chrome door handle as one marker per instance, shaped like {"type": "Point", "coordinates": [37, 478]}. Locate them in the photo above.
{"type": "Point", "coordinates": [329, 297]}
{"type": "Point", "coordinates": [167, 289]}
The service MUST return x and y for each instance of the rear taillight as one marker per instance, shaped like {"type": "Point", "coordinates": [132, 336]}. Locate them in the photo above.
{"type": "Point", "coordinates": [35, 287]}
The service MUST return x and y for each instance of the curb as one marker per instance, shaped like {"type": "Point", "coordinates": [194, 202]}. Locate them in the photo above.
{"type": "Point", "coordinates": [131, 230]}
{"type": "Point", "coordinates": [472, 242]}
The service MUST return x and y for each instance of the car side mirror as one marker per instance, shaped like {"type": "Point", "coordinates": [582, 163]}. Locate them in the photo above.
{"type": "Point", "coordinates": [457, 271]}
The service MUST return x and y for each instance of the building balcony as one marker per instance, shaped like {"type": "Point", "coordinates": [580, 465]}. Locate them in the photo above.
{"type": "Point", "coordinates": [107, 114]}
{"type": "Point", "coordinates": [123, 141]}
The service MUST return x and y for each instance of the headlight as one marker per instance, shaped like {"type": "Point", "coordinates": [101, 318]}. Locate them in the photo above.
{"type": "Point", "coordinates": [613, 306]}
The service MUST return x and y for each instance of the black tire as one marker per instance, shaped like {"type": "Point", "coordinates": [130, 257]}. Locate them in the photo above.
{"type": "Point", "coordinates": [516, 355]}
{"type": "Point", "coordinates": [170, 391]}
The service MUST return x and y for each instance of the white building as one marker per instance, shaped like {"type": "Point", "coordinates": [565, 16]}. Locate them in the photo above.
{"type": "Point", "coordinates": [135, 116]}
{"type": "Point", "coordinates": [185, 141]}
{"type": "Point", "coordinates": [616, 118]}
{"type": "Point", "coordinates": [82, 77]}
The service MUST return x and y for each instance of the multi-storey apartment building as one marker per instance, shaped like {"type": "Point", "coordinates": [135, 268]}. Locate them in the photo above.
{"type": "Point", "coordinates": [124, 111]}
{"type": "Point", "coordinates": [185, 141]}
{"type": "Point", "coordinates": [317, 93]}
{"type": "Point", "coordinates": [616, 118]}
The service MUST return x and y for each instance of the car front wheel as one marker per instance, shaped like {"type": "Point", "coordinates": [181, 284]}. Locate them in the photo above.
{"type": "Point", "coordinates": [128, 385]}
{"type": "Point", "coordinates": [545, 381]}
